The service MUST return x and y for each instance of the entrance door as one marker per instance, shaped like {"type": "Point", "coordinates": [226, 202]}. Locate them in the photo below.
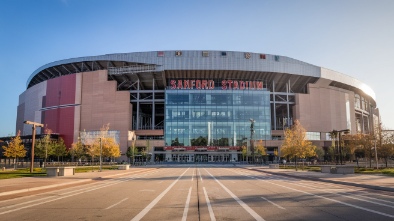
{"type": "Point", "coordinates": [201, 158]}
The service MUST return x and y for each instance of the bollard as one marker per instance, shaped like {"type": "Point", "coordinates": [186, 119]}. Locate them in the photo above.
{"type": "Point", "coordinates": [3, 168]}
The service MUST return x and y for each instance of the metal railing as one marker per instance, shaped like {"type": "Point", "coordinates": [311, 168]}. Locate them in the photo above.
{"type": "Point", "coordinates": [130, 69]}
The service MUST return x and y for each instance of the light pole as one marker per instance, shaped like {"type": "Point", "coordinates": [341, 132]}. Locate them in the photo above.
{"type": "Point", "coordinates": [251, 138]}
{"type": "Point", "coordinates": [35, 124]}
{"type": "Point", "coordinates": [376, 156]}
{"type": "Point", "coordinates": [101, 153]}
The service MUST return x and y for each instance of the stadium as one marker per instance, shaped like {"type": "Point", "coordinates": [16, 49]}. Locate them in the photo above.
{"type": "Point", "coordinates": [194, 106]}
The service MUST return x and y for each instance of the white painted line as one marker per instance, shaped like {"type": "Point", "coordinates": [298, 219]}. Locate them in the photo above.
{"type": "Point", "coordinates": [63, 195]}
{"type": "Point", "coordinates": [117, 203]}
{"type": "Point", "coordinates": [58, 198]}
{"type": "Point", "coordinates": [337, 201]}
{"type": "Point", "coordinates": [200, 175]}
{"type": "Point", "coordinates": [272, 203]}
{"type": "Point", "coordinates": [347, 196]}
{"type": "Point", "coordinates": [211, 214]}
{"type": "Point", "coordinates": [140, 215]}
{"type": "Point", "coordinates": [184, 217]}
{"type": "Point", "coordinates": [240, 202]}
{"type": "Point", "coordinates": [193, 176]}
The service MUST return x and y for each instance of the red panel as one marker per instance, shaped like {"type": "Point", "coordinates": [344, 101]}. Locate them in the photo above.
{"type": "Point", "coordinates": [61, 91]}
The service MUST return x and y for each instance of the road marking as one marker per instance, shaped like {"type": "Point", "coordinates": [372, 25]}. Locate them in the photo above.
{"type": "Point", "coordinates": [211, 214]}
{"type": "Point", "coordinates": [186, 205]}
{"type": "Point", "coordinates": [200, 175]}
{"type": "Point", "coordinates": [193, 175]}
{"type": "Point", "coordinates": [63, 195]}
{"type": "Point", "coordinates": [240, 202]}
{"type": "Point", "coordinates": [347, 196]}
{"type": "Point", "coordinates": [337, 201]}
{"type": "Point", "coordinates": [140, 215]}
{"type": "Point", "coordinates": [117, 203]}
{"type": "Point", "coordinates": [272, 203]}
{"type": "Point", "coordinates": [58, 198]}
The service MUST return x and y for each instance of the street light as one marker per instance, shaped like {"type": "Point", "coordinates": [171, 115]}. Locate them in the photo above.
{"type": "Point", "coordinates": [376, 156]}
{"type": "Point", "coordinates": [251, 138]}
{"type": "Point", "coordinates": [101, 153]}
{"type": "Point", "coordinates": [35, 124]}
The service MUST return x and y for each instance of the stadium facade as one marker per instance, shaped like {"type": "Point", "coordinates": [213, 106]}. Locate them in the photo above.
{"type": "Point", "coordinates": [189, 106]}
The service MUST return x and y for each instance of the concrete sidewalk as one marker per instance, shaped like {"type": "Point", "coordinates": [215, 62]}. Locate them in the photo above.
{"type": "Point", "coordinates": [377, 182]}
{"type": "Point", "coordinates": [30, 184]}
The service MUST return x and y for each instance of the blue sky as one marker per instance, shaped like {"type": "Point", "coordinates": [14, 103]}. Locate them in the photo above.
{"type": "Point", "coordinates": [354, 37]}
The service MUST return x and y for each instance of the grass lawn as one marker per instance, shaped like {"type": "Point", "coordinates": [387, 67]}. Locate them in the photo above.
{"type": "Point", "coordinates": [383, 171]}
{"type": "Point", "coordinates": [25, 172]}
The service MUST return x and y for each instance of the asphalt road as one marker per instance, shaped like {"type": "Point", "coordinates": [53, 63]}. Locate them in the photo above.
{"type": "Point", "coordinates": [202, 193]}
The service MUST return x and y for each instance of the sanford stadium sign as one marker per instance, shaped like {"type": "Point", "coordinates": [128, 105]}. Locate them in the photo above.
{"type": "Point", "coordinates": [210, 84]}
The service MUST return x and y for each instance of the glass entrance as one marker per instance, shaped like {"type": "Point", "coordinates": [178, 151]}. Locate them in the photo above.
{"type": "Point", "coordinates": [201, 158]}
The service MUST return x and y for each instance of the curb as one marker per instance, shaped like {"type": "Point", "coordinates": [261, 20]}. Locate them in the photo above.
{"type": "Point", "coordinates": [367, 186]}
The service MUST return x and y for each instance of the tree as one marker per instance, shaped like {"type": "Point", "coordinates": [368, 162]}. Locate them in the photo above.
{"type": "Point", "coordinates": [131, 150]}
{"type": "Point", "coordinates": [244, 151]}
{"type": "Point", "coordinates": [15, 148]}
{"type": "Point", "coordinates": [366, 144]}
{"type": "Point", "coordinates": [59, 148]}
{"type": "Point", "coordinates": [260, 150]}
{"type": "Point", "coordinates": [295, 144]}
{"type": "Point", "coordinates": [386, 150]}
{"type": "Point", "coordinates": [109, 147]}
{"type": "Point", "coordinates": [319, 152]}
{"type": "Point", "coordinates": [77, 149]}
{"type": "Point", "coordinates": [44, 147]}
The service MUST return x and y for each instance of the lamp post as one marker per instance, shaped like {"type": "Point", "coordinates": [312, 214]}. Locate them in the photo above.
{"type": "Point", "coordinates": [35, 124]}
{"type": "Point", "coordinates": [101, 153]}
{"type": "Point", "coordinates": [376, 156]}
{"type": "Point", "coordinates": [251, 138]}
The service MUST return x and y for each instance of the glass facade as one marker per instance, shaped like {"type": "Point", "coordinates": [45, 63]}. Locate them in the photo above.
{"type": "Point", "coordinates": [215, 117]}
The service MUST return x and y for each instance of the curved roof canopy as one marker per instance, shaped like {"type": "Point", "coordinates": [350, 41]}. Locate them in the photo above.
{"type": "Point", "coordinates": [160, 65]}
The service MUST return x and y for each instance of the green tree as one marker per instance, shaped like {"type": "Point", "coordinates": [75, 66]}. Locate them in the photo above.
{"type": "Point", "coordinates": [132, 150]}
{"type": "Point", "coordinates": [295, 144]}
{"type": "Point", "coordinates": [59, 148]}
{"type": "Point", "coordinates": [44, 147]}
{"type": "Point", "coordinates": [365, 143]}
{"type": "Point", "coordinates": [319, 152]}
{"type": "Point", "coordinates": [15, 149]}
{"type": "Point", "coordinates": [77, 150]}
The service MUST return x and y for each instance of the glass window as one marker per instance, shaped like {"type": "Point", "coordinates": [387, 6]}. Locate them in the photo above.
{"type": "Point", "coordinates": [216, 117]}
{"type": "Point", "coordinates": [313, 135]}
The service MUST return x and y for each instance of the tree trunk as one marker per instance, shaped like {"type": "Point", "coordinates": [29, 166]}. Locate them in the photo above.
{"type": "Point", "coordinates": [295, 162]}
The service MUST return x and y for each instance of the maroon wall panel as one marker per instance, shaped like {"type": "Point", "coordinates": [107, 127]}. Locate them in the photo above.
{"type": "Point", "coordinates": [61, 91]}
